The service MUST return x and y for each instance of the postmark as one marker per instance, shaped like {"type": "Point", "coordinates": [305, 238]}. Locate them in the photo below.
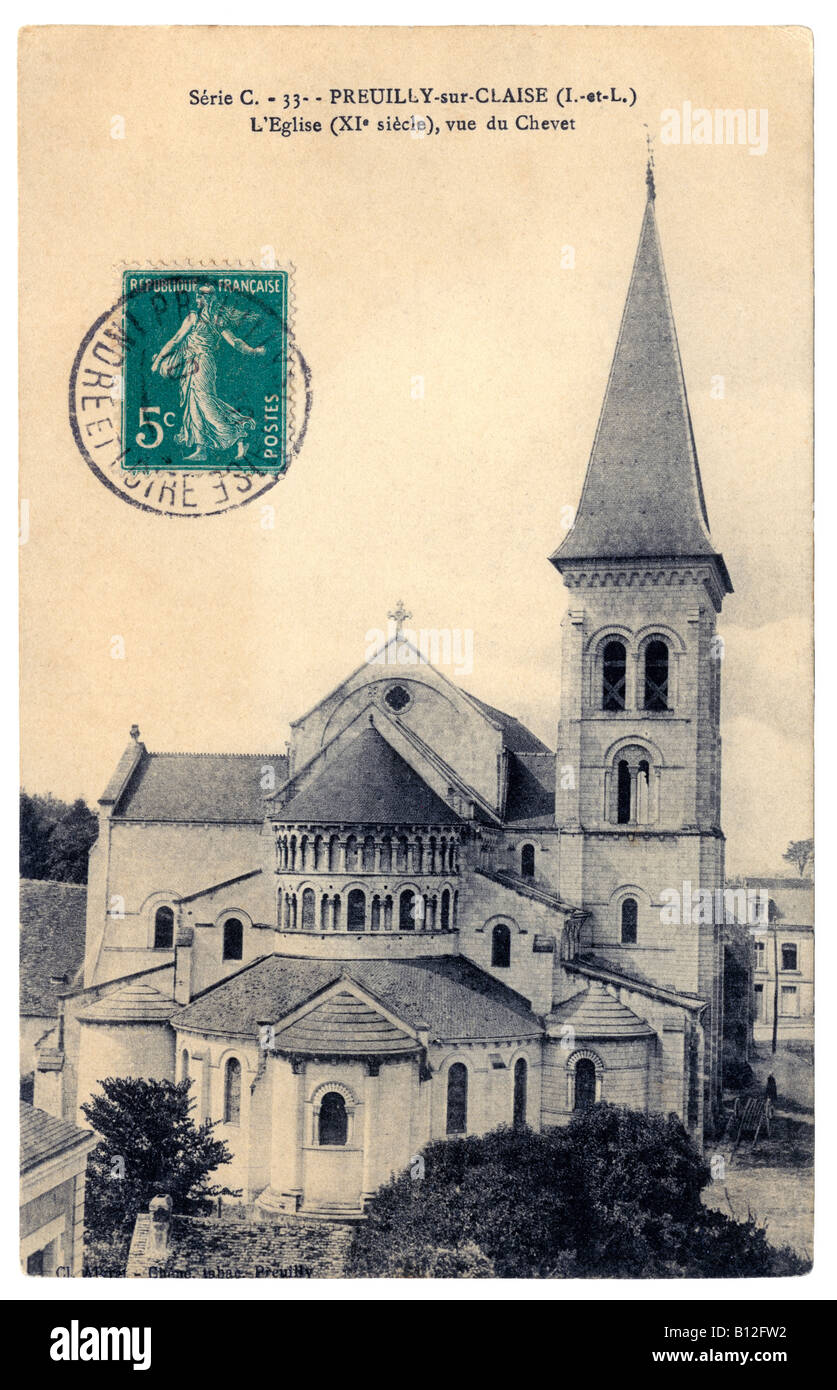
{"type": "Point", "coordinates": [190, 397]}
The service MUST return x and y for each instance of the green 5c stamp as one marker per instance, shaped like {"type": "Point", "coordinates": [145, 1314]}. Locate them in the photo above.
{"type": "Point", "coordinates": [205, 373]}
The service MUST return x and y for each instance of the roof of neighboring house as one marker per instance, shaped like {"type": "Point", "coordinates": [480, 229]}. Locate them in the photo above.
{"type": "Point", "coordinates": [596, 1013]}
{"type": "Point", "coordinates": [530, 797]}
{"type": "Point", "coordinates": [367, 781]}
{"type": "Point", "coordinates": [52, 926]}
{"type": "Point", "coordinates": [42, 1136]}
{"type": "Point", "coordinates": [448, 995]}
{"type": "Point", "coordinates": [221, 787]}
{"type": "Point", "coordinates": [137, 1002]}
{"type": "Point", "coordinates": [244, 1247]}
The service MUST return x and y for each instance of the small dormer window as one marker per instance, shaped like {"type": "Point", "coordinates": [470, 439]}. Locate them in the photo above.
{"type": "Point", "coordinates": [397, 698]}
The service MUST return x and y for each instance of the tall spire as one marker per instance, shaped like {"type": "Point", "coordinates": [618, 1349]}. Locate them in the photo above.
{"type": "Point", "coordinates": [642, 495]}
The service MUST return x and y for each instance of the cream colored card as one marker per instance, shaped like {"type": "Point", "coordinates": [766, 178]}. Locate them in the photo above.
{"type": "Point", "coordinates": [416, 630]}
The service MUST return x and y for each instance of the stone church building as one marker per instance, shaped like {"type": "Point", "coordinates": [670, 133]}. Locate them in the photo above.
{"type": "Point", "coordinates": [420, 921]}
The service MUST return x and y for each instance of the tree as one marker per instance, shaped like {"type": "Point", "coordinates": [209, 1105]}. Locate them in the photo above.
{"type": "Point", "coordinates": [614, 1193]}
{"type": "Point", "coordinates": [149, 1145]}
{"type": "Point", "coordinates": [55, 838]}
{"type": "Point", "coordinates": [799, 852]}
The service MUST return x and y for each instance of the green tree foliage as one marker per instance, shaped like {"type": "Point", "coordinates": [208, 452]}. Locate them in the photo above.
{"type": "Point", "coordinates": [612, 1194]}
{"type": "Point", "coordinates": [149, 1146]}
{"type": "Point", "coordinates": [55, 838]}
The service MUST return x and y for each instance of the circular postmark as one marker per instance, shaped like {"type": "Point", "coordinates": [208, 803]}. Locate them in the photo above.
{"type": "Point", "coordinates": [189, 397]}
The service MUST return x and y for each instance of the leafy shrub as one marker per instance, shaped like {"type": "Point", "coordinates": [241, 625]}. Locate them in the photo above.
{"type": "Point", "coordinates": [149, 1145]}
{"type": "Point", "coordinates": [614, 1193]}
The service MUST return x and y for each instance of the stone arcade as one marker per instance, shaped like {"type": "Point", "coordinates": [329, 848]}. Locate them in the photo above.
{"type": "Point", "coordinates": [420, 921]}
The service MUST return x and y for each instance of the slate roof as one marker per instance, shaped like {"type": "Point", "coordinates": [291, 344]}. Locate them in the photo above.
{"type": "Point", "coordinates": [42, 1136]}
{"type": "Point", "coordinates": [244, 1247]}
{"type": "Point", "coordinates": [530, 796]}
{"type": "Point", "coordinates": [448, 995]}
{"type": "Point", "coordinates": [52, 923]}
{"type": "Point", "coordinates": [596, 1013]}
{"type": "Point", "coordinates": [516, 737]}
{"type": "Point", "coordinates": [343, 1025]}
{"type": "Point", "coordinates": [220, 787]}
{"type": "Point", "coordinates": [137, 1002]}
{"type": "Point", "coordinates": [367, 781]}
{"type": "Point", "coordinates": [643, 495]}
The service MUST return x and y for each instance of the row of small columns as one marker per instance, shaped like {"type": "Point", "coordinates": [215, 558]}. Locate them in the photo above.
{"type": "Point", "coordinates": [371, 854]}
{"type": "Point", "coordinates": [328, 912]}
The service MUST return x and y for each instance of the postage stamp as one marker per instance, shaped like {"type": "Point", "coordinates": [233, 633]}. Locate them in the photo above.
{"type": "Point", "coordinates": [206, 370]}
{"type": "Point", "coordinates": [190, 396]}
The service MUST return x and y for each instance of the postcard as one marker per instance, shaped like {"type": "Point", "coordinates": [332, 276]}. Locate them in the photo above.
{"type": "Point", "coordinates": [416, 654]}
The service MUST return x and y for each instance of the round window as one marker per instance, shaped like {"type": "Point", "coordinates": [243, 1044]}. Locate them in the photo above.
{"type": "Point", "coordinates": [397, 698]}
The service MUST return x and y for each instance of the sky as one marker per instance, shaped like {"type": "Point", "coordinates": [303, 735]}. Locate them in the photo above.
{"type": "Point", "coordinates": [445, 261]}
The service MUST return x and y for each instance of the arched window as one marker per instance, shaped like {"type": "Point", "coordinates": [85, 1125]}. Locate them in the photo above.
{"type": "Point", "coordinates": [369, 853]}
{"type": "Point", "coordinates": [308, 909]}
{"type": "Point", "coordinates": [407, 910]}
{"type": "Point", "coordinates": [376, 913]}
{"type": "Point", "coordinates": [184, 1064]}
{"type": "Point", "coordinates": [519, 1108]}
{"type": "Point", "coordinates": [232, 1092]}
{"type": "Point", "coordinates": [628, 921]}
{"type": "Point", "coordinates": [352, 855]}
{"type": "Point", "coordinates": [446, 910]}
{"type": "Point", "coordinates": [585, 1084]}
{"type": "Point", "coordinates": [527, 861]}
{"type": "Point", "coordinates": [613, 676]}
{"type": "Point", "coordinates": [656, 675]}
{"type": "Point", "coordinates": [333, 1122]}
{"type": "Point", "coordinates": [623, 793]}
{"type": "Point", "coordinates": [233, 939]}
{"type": "Point", "coordinates": [356, 910]}
{"type": "Point", "coordinates": [501, 946]}
{"type": "Point", "coordinates": [164, 927]}
{"type": "Point", "coordinates": [333, 846]}
{"type": "Point", "coordinates": [457, 1116]}
{"type": "Point", "coordinates": [324, 912]}
{"type": "Point", "coordinates": [335, 912]}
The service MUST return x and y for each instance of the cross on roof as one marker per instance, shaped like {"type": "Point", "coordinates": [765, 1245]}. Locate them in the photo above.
{"type": "Point", "coordinates": [399, 616]}
{"type": "Point", "coordinates": [649, 168]}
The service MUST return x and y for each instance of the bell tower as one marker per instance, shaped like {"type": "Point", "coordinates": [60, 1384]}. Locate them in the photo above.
{"type": "Point", "coordinates": [639, 752]}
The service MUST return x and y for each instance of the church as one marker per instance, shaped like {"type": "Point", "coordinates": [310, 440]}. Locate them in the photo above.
{"type": "Point", "coordinates": [419, 921]}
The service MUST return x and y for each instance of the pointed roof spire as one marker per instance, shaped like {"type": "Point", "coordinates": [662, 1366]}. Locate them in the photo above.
{"type": "Point", "coordinates": [642, 495]}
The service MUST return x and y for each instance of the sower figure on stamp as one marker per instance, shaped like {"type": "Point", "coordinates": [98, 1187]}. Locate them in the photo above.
{"type": "Point", "coordinates": [191, 355]}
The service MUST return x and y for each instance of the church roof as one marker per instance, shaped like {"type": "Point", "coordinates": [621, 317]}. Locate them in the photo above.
{"type": "Point", "coordinates": [447, 995]}
{"type": "Point", "coordinates": [52, 926]}
{"type": "Point", "coordinates": [530, 795]}
{"type": "Point", "coordinates": [367, 781]}
{"type": "Point", "coordinates": [596, 1013]}
{"type": "Point", "coordinates": [220, 787]}
{"type": "Point", "coordinates": [344, 1024]}
{"type": "Point", "coordinates": [516, 737]}
{"type": "Point", "coordinates": [137, 1002]}
{"type": "Point", "coordinates": [642, 495]}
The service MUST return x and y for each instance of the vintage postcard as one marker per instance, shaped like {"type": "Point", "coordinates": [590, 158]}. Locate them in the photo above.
{"type": "Point", "coordinates": [416, 654]}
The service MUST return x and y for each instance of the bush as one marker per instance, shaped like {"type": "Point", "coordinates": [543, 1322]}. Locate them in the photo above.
{"type": "Point", "coordinates": [612, 1194]}
{"type": "Point", "coordinates": [149, 1145]}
